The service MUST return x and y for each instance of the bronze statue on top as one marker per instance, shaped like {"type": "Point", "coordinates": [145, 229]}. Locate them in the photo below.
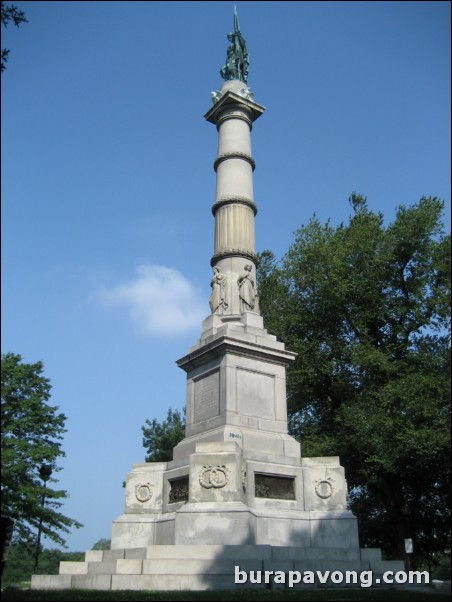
{"type": "Point", "coordinates": [237, 58]}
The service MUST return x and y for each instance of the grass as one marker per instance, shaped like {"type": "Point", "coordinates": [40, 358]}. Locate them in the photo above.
{"type": "Point", "coordinates": [256, 595]}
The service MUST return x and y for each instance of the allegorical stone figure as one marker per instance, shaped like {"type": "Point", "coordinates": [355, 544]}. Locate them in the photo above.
{"type": "Point", "coordinates": [237, 60]}
{"type": "Point", "coordinates": [247, 291]}
{"type": "Point", "coordinates": [218, 302]}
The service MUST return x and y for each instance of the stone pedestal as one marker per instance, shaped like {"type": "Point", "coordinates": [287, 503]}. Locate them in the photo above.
{"type": "Point", "coordinates": [232, 500]}
{"type": "Point", "coordinates": [237, 492]}
{"type": "Point", "coordinates": [236, 390]}
{"type": "Point", "coordinates": [238, 477]}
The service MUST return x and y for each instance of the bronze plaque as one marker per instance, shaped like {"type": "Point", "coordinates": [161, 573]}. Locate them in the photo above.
{"type": "Point", "coordinates": [272, 486]}
{"type": "Point", "coordinates": [178, 490]}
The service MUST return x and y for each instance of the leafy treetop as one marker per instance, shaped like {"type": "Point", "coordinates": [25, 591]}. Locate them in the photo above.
{"type": "Point", "coordinates": [367, 308]}
{"type": "Point", "coordinates": [10, 13]}
{"type": "Point", "coordinates": [32, 431]}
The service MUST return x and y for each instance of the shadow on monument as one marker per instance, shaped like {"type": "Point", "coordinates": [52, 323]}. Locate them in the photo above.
{"type": "Point", "coordinates": [272, 565]}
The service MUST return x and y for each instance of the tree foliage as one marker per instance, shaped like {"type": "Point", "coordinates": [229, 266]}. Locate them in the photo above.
{"type": "Point", "coordinates": [32, 431]}
{"type": "Point", "coordinates": [20, 563]}
{"type": "Point", "coordinates": [10, 14]}
{"type": "Point", "coordinates": [159, 439]}
{"type": "Point", "coordinates": [102, 544]}
{"type": "Point", "coordinates": [367, 308]}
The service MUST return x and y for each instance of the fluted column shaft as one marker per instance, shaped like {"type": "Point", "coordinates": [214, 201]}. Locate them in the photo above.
{"type": "Point", "coordinates": [234, 258]}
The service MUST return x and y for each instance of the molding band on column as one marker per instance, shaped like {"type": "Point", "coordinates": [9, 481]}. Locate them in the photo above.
{"type": "Point", "coordinates": [234, 115]}
{"type": "Point", "coordinates": [235, 253]}
{"type": "Point", "coordinates": [234, 155]}
{"type": "Point", "coordinates": [242, 200]}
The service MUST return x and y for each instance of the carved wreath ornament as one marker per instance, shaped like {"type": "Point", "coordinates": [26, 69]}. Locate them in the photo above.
{"type": "Point", "coordinates": [213, 476]}
{"type": "Point", "coordinates": [143, 492]}
{"type": "Point", "coordinates": [324, 488]}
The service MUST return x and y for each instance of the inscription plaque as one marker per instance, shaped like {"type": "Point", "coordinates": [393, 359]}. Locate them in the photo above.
{"type": "Point", "coordinates": [271, 486]}
{"type": "Point", "coordinates": [207, 397]}
{"type": "Point", "coordinates": [255, 394]}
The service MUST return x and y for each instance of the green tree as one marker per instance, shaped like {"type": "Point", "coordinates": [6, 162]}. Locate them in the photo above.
{"type": "Point", "coordinates": [102, 544]}
{"type": "Point", "coordinates": [160, 439]}
{"type": "Point", "coordinates": [20, 565]}
{"type": "Point", "coordinates": [367, 308]}
{"type": "Point", "coordinates": [31, 437]}
{"type": "Point", "coordinates": [10, 13]}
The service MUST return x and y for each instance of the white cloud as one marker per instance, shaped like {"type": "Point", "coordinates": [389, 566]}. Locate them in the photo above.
{"type": "Point", "coordinates": [160, 300]}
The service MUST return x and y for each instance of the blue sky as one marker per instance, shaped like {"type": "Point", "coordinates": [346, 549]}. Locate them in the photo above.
{"type": "Point", "coordinates": [108, 183]}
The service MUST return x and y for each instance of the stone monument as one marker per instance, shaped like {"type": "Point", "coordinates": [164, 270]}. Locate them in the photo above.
{"type": "Point", "coordinates": [237, 491]}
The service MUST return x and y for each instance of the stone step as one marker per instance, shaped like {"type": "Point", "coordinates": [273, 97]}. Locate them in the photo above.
{"type": "Point", "coordinates": [299, 553]}
{"type": "Point", "coordinates": [251, 552]}
{"type": "Point", "coordinates": [236, 552]}
{"type": "Point", "coordinates": [106, 567]}
{"type": "Point", "coordinates": [382, 566]}
{"type": "Point", "coordinates": [198, 566]}
{"type": "Point", "coordinates": [100, 582]}
{"type": "Point", "coordinates": [176, 582]}
{"type": "Point", "coordinates": [115, 554]}
{"type": "Point", "coordinates": [73, 568]}
{"type": "Point", "coordinates": [371, 554]}
{"type": "Point", "coordinates": [46, 582]}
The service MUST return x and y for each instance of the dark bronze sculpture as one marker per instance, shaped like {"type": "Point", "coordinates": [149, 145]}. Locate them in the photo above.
{"type": "Point", "coordinates": [237, 58]}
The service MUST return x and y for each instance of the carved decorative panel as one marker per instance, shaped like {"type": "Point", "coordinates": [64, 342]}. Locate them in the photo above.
{"type": "Point", "coordinates": [213, 476]}
{"type": "Point", "coordinates": [324, 488]}
{"type": "Point", "coordinates": [143, 492]}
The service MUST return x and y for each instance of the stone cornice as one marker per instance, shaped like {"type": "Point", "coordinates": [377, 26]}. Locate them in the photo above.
{"type": "Point", "coordinates": [242, 200]}
{"type": "Point", "coordinates": [235, 253]}
{"type": "Point", "coordinates": [254, 109]}
{"type": "Point", "coordinates": [235, 346]}
{"type": "Point", "coordinates": [234, 155]}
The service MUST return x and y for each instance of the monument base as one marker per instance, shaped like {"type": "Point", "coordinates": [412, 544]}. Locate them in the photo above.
{"type": "Point", "coordinates": [222, 522]}
{"type": "Point", "coordinates": [221, 497]}
{"type": "Point", "coordinates": [237, 496]}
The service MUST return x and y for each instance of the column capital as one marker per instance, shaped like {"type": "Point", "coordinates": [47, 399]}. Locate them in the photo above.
{"type": "Point", "coordinates": [249, 107]}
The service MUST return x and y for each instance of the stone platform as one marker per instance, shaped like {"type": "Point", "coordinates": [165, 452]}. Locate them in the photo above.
{"type": "Point", "coordinates": [203, 567]}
